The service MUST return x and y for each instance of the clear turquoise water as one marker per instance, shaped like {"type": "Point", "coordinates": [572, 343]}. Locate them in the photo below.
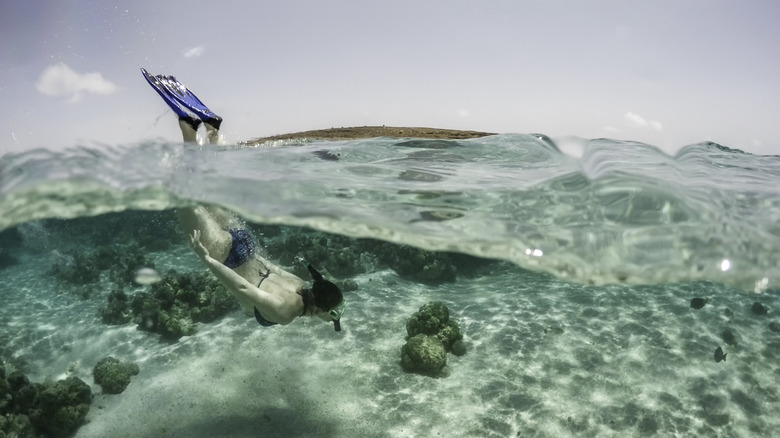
{"type": "Point", "coordinates": [585, 329]}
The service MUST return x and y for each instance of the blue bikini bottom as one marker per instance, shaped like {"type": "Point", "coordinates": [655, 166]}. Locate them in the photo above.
{"type": "Point", "coordinates": [262, 321]}
{"type": "Point", "coordinates": [241, 250]}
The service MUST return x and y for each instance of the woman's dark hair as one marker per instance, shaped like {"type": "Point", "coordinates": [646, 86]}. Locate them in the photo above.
{"type": "Point", "coordinates": [326, 294]}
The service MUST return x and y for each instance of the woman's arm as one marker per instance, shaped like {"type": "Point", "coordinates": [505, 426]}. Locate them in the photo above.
{"type": "Point", "coordinates": [247, 294]}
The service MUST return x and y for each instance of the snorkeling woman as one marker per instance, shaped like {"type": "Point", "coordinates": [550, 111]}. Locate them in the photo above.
{"type": "Point", "coordinates": [218, 237]}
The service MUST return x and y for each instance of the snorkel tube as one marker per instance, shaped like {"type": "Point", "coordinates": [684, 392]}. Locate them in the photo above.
{"type": "Point", "coordinates": [336, 313]}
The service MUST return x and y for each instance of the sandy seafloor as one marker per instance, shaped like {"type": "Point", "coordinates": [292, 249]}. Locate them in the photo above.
{"type": "Point", "coordinates": [545, 358]}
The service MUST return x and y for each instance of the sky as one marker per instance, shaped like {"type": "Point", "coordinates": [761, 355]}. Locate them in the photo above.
{"type": "Point", "coordinates": [667, 73]}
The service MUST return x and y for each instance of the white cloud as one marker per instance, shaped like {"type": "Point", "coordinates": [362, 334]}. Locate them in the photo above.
{"type": "Point", "coordinates": [194, 52]}
{"type": "Point", "coordinates": [59, 80]}
{"type": "Point", "coordinates": [463, 112]}
{"type": "Point", "coordinates": [637, 121]}
{"type": "Point", "coordinates": [611, 129]}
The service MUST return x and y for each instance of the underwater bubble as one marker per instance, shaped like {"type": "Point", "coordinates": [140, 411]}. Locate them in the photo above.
{"type": "Point", "coordinates": [146, 276]}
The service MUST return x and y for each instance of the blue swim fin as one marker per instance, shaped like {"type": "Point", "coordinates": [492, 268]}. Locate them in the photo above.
{"type": "Point", "coordinates": [190, 101]}
{"type": "Point", "coordinates": [172, 102]}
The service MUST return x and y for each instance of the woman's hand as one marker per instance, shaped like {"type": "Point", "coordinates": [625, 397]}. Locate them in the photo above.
{"type": "Point", "coordinates": [198, 247]}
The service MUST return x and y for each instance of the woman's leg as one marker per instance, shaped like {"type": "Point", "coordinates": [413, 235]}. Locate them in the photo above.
{"type": "Point", "coordinates": [212, 222]}
{"type": "Point", "coordinates": [214, 234]}
{"type": "Point", "coordinates": [189, 129]}
{"type": "Point", "coordinates": [213, 133]}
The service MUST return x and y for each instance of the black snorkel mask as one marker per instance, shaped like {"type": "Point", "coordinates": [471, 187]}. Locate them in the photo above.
{"type": "Point", "coordinates": [321, 284]}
